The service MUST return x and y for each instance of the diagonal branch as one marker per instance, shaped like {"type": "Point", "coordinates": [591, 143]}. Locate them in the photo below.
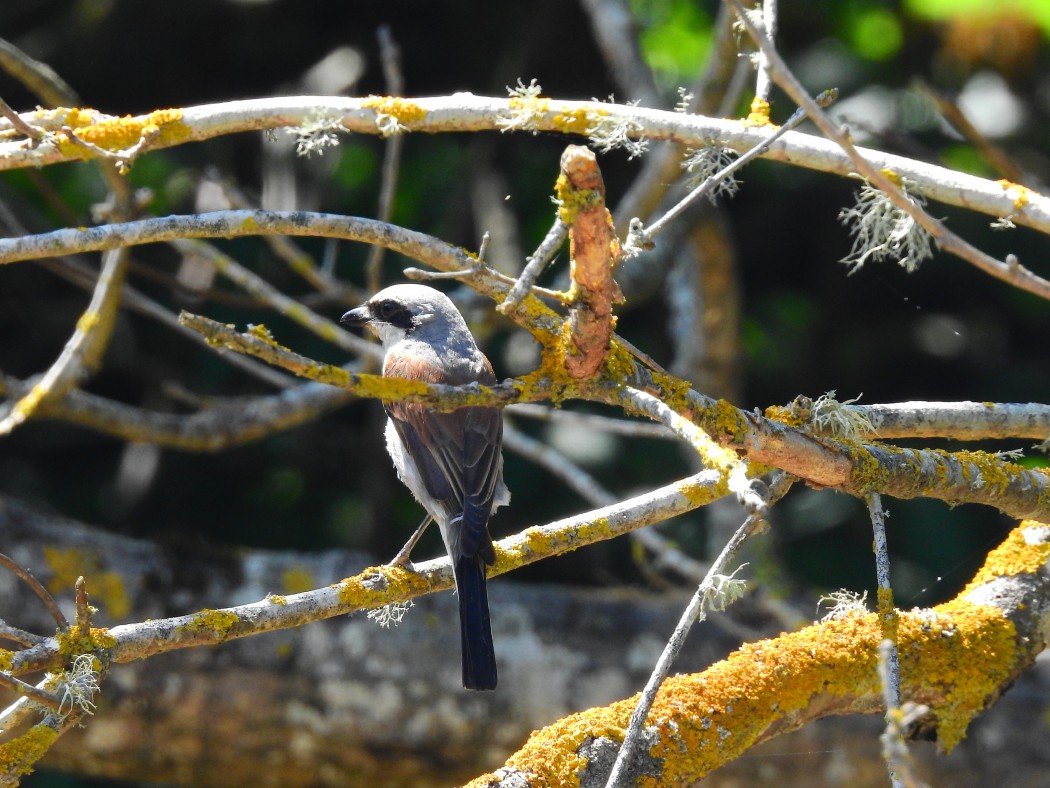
{"type": "Point", "coordinates": [379, 586]}
{"type": "Point", "coordinates": [702, 721]}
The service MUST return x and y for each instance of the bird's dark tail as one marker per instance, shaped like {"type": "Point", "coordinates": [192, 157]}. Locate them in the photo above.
{"type": "Point", "coordinates": [479, 659]}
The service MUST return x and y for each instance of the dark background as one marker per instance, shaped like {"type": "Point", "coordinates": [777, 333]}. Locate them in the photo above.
{"type": "Point", "coordinates": [947, 332]}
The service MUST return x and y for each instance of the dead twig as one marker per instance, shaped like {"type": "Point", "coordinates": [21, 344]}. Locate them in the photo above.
{"type": "Point", "coordinates": [594, 250]}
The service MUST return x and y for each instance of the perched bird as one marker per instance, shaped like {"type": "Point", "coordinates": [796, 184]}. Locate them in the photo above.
{"type": "Point", "coordinates": [452, 462]}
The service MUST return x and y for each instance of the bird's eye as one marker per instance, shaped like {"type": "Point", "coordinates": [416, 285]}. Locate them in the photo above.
{"type": "Point", "coordinates": [387, 309]}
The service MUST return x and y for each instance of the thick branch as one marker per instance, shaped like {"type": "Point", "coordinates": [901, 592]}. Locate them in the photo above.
{"type": "Point", "coordinates": [956, 658]}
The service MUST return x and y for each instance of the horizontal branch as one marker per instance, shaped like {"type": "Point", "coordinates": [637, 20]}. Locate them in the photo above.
{"type": "Point", "coordinates": [438, 396]}
{"type": "Point", "coordinates": [462, 112]}
{"type": "Point", "coordinates": [228, 423]}
{"type": "Point", "coordinates": [960, 420]}
{"type": "Point", "coordinates": [850, 466]}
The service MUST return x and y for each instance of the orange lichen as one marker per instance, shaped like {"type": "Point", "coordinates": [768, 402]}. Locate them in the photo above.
{"type": "Point", "coordinates": [955, 658]}
{"type": "Point", "coordinates": [1015, 556]}
{"type": "Point", "coordinates": [789, 415]}
{"type": "Point", "coordinates": [759, 114]}
{"type": "Point", "coordinates": [572, 121]}
{"type": "Point", "coordinates": [118, 134]}
{"type": "Point", "coordinates": [1016, 192]}
{"type": "Point", "coordinates": [406, 112]}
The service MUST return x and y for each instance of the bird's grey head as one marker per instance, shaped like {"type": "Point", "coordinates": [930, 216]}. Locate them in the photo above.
{"type": "Point", "coordinates": [410, 311]}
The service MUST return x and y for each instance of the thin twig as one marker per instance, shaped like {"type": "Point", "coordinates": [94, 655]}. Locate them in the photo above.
{"type": "Point", "coordinates": [218, 426]}
{"type": "Point", "coordinates": [635, 428]}
{"type": "Point", "coordinates": [41, 696]}
{"type": "Point", "coordinates": [992, 153]}
{"type": "Point", "coordinates": [33, 133]}
{"type": "Point", "coordinates": [83, 351]}
{"type": "Point", "coordinates": [1009, 271]}
{"type": "Point", "coordinates": [644, 238]}
{"type": "Point", "coordinates": [763, 83]}
{"type": "Point", "coordinates": [716, 591]}
{"type": "Point", "coordinates": [83, 617]}
{"type": "Point", "coordinates": [390, 58]}
{"type": "Point", "coordinates": [20, 636]}
{"type": "Point", "coordinates": [898, 718]}
{"type": "Point", "coordinates": [120, 158]}
{"type": "Point", "coordinates": [26, 577]}
{"type": "Point", "coordinates": [263, 292]}
{"type": "Point", "coordinates": [887, 612]}
{"type": "Point", "coordinates": [535, 264]}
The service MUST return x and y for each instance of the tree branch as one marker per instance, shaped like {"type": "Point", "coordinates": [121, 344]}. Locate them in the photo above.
{"type": "Point", "coordinates": [702, 721]}
{"type": "Point", "coordinates": [466, 112]}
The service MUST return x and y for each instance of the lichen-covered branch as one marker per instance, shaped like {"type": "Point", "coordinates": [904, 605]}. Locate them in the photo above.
{"type": "Point", "coordinates": [467, 112]}
{"type": "Point", "coordinates": [374, 587]}
{"type": "Point", "coordinates": [851, 466]}
{"type": "Point", "coordinates": [84, 349]}
{"type": "Point", "coordinates": [889, 181]}
{"type": "Point", "coordinates": [956, 658]}
{"type": "Point", "coordinates": [218, 426]}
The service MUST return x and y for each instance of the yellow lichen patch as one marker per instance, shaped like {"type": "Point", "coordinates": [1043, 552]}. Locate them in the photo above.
{"type": "Point", "coordinates": [71, 642]}
{"type": "Point", "coordinates": [1016, 192]}
{"type": "Point", "coordinates": [406, 112]}
{"type": "Point", "coordinates": [277, 599]}
{"type": "Point", "coordinates": [573, 121]}
{"type": "Point", "coordinates": [759, 114]}
{"type": "Point", "coordinates": [88, 321]}
{"type": "Point", "coordinates": [892, 176]}
{"type": "Point", "coordinates": [6, 659]}
{"type": "Point", "coordinates": [728, 421]}
{"type": "Point", "coordinates": [18, 755]}
{"type": "Point", "coordinates": [789, 415]}
{"type": "Point", "coordinates": [552, 753]}
{"type": "Point", "coordinates": [1015, 556]}
{"type": "Point", "coordinates": [699, 493]}
{"type": "Point", "coordinates": [887, 613]}
{"type": "Point", "coordinates": [119, 134]}
{"type": "Point", "coordinates": [372, 587]}
{"type": "Point", "coordinates": [962, 655]}
{"type": "Point", "coordinates": [619, 364]}
{"type": "Point", "coordinates": [388, 388]}
{"type": "Point", "coordinates": [296, 579]}
{"type": "Point", "coordinates": [571, 200]}
{"type": "Point", "coordinates": [262, 333]}
{"type": "Point", "coordinates": [219, 622]}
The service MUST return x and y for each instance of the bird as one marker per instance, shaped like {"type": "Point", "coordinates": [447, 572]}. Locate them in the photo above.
{"type": "Point", "coordinates": [451, 462]}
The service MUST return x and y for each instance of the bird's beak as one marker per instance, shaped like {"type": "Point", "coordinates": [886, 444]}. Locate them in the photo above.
{"type": "Point", "coordinates": [358, 316]}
